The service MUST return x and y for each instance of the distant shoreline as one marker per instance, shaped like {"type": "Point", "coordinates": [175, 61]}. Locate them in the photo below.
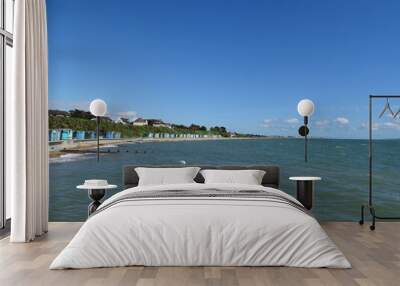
{"type": "Point", "coordinates": [57, 149]}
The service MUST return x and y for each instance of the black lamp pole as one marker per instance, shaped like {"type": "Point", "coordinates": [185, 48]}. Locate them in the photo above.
{"type": "Point", "coordinates": [303, 131]}
{"type": "Point", "coordinates": [305, 139]}
{"type": "Point", "coordinates": [305, 107]}
{"type": "Point", "coordinates": [98, 137]}
{"type": "Point", "coordinates": [98, 108]}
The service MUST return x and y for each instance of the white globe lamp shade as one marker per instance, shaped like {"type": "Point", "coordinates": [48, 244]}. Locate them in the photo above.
{"type": "Point", "coordinates": [98, 107]}
{"type": "Point", "coordinates": [305, 107]}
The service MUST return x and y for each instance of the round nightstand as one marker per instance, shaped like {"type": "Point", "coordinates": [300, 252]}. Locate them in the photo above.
{"type": "Point", "coordinates": [95, 193]}
{"type": "Point", "coordinates": [305, 190]}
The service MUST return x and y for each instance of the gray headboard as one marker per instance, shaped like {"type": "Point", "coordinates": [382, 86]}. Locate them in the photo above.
{"type": "Point", "coordinates": [271, 178]}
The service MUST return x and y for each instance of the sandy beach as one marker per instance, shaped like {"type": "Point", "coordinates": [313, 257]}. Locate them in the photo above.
{"type": "Point", "coordinates": [57, 149]}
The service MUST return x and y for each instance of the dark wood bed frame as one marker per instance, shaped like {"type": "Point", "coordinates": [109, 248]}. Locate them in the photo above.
{"type": "Point", "coordinates": [271, 178]}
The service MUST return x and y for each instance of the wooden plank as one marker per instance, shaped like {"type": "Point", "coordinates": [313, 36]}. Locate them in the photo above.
{"type": "Point", "coordinates": [375, 257]}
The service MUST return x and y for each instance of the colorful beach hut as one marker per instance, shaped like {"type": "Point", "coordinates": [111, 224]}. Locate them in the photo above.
{"type": "Point", "coordinates": [90, 135]}
{"type": "Point", "coordinates": [109, 135]}
{"type": "Point", "coordinates": [112, 135]}
{"type": "Point", "coordinates": [79, 135]}
{"type": "Point", "coordinates": [66, 134]}
{"type": "Point", "coordinates": [54, 135]}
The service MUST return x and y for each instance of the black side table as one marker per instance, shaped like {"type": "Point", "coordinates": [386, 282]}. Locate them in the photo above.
{"type": "Point", "coordinates": [96, 196]}
{"type": "Point", "coordinates": [95, 193]}
{"type": "Point", "coordinates": [305, 190]}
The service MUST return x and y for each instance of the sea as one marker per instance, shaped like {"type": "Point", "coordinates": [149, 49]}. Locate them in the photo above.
{"type": "Point", "coordinates": [342, 165]}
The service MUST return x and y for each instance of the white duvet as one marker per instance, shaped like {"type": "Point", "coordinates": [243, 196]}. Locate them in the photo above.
{"type": "Point", "coordinates": [199, 231]}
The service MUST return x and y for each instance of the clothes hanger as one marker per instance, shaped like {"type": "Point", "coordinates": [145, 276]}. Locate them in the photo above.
{"type": "Point", "coordinates": [397, 113]}
{"type": "Point", "coordinates": [387, 107]}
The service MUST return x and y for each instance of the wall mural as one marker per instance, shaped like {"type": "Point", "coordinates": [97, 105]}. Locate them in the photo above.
{"type": "Point", "coordinates": [217, 83]}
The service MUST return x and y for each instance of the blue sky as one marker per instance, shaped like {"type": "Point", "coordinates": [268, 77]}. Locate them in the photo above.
{"type": "Point", "coordinates": [240, 64]}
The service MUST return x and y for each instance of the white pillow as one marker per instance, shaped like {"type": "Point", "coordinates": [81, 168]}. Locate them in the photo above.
{"type": "Point", "coordinates": [248, 177]}
{"type": "Point", "coordinates": [166, 176]}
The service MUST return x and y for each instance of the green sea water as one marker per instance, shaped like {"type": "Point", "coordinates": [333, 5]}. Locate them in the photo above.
{"type": "Point", "coordinates": [342, 164]}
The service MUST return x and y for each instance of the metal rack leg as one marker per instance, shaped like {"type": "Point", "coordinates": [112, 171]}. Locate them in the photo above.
{"type": "Point", "coordinates": [372, 211]}
{"type": "Point", "coordinates": [374, 216]}
{"type": "Point", "coordinates": [361, 222]}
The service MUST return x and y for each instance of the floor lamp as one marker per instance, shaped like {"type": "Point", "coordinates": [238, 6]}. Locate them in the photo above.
{"type": "Point", "coordinates": [305, 108]}
{"type": "Point", "coordinates": [98, 108]}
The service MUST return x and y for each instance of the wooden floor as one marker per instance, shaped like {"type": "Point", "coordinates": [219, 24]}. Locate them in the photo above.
{"type": "Point", "coordinates": [375, 257]}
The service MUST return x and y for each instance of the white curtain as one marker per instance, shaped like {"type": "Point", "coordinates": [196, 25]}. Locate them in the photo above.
{"type": "Point", "coordinates": [27, 123]}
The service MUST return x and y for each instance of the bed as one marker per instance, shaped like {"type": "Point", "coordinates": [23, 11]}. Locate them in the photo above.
{"type": "Point", "coordinates": [197, 224]}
